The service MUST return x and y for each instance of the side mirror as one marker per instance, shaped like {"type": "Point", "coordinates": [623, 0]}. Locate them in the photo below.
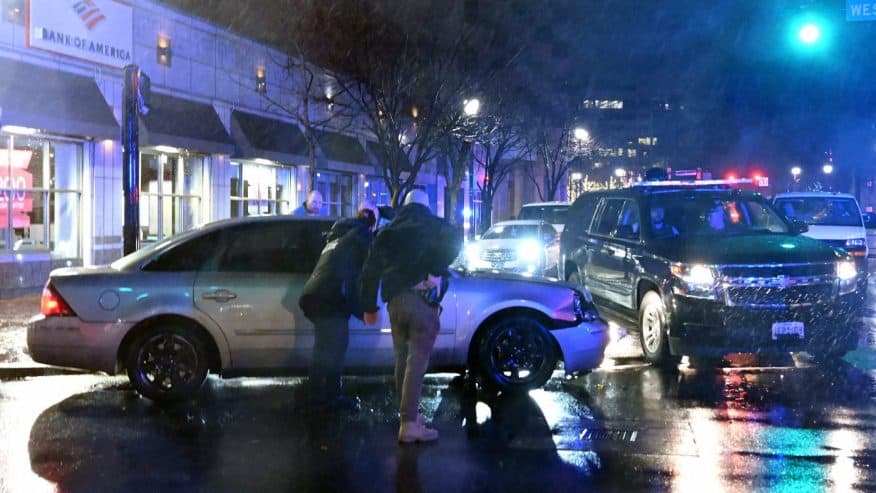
{"type": "Point", "coordinates": [799, 227]}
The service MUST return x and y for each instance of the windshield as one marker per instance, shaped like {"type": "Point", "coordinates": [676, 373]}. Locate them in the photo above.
{"type": "Point", "coordinates": [684, 215]}
{"type": "Point", "coordinates": [821, 211]}
{"type": "Point", "coordinates": [512, 232]}
{"type": "Point", "coordinates": [554, 214]}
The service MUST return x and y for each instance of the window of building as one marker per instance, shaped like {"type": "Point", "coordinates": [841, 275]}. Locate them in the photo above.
{"type": "Point", "coordinates": [647, 141]}
{"type": "Point", "coordinates": [261, 189]}
{"type": "Point", "coordinates": [40, 195]}
{"type": "Point", "coordinates": [603, 104]}
{"type": "Point", "coordinates": [337, 193]}
{"type": "Point", "coordinates": [376, 191]}
{"type": "Point", "coordinates": [171, 190]}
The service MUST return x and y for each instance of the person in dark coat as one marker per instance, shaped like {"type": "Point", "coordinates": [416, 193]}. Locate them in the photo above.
{"type": "Point", "coordinates": [409, 260]}
{"type": "Point", "coordinates": [330, 297]}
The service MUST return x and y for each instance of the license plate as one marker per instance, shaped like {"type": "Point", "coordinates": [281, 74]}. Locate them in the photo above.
{"type": "Point", "coordinates": [787, 329]}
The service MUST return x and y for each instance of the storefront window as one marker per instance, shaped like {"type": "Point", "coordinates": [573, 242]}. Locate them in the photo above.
{"type": "Point", "coordinates": [171, 204]}
{"type": "Point", "coordinates": [260, 189]}
{"type": "Point", "coordinates": [337, 193]}
{"type": "Point", "coordinates": [40, 195]}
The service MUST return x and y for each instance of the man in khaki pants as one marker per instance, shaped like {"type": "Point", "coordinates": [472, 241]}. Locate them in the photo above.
{"type": "Point", "coordinates": [409, 260]}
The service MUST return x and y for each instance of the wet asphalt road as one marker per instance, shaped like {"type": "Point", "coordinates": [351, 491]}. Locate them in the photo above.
{"type": "Point", "coordinates": [789, 426]}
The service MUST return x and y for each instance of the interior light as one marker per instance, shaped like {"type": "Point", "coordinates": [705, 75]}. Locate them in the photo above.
{"type": "Point", "coordinates": [166, 149]}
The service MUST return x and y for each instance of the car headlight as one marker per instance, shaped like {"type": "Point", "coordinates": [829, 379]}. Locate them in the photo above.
{"type": "Point", "coordinates": [530, 251]}
{"type": "Point", "coordinates": [847, 275]}
{"type": "Point", "coordinates": [472, 251]}
{"type": "Point", "coordinates": [585, 311]}
{"type": "Point", "coordinates": [697, 280]}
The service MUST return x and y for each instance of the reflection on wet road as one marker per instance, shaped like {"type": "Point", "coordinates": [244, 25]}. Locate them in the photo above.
{"type": "Point", "coordinates": [787, 427]}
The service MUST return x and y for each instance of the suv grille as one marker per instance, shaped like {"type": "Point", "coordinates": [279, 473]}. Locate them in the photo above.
{"type": "Point", "coordinates": [498, 255]}
{"type": "Point", "coordinates": [778, 286]}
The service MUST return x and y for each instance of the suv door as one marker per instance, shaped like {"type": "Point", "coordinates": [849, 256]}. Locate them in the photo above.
{"type": "Point", "coordinates": [251, 290]}
{"type": "Point", "coordinates": [598, 271]}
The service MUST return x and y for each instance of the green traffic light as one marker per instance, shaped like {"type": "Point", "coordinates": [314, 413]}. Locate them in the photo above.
{"type": "Point", "coordinates": [809, 34]}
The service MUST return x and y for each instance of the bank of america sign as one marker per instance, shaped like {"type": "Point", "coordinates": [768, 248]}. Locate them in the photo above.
{"type": "Point", "coordinates": [99, 31]}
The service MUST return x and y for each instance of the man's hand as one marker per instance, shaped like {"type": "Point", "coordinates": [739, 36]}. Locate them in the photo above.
{"type": "Point", "coordinates": [371, 318]}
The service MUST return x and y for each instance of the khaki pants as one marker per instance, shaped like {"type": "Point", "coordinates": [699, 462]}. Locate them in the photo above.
{"type": "Point", "coordinates": [415, 326]}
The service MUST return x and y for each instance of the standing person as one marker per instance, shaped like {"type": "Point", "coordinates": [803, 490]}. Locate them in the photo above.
{"type": "Point", "coordinates": [311, 207]}
{"type": "Point", "coordinates": [328, 299]}
{"type": "Point", "coordinates": [409, 260]}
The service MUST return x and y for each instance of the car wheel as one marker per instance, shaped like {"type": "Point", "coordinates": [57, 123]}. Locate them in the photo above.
{"type": "Point", "coordinates": [652, 330]}
{"type": "Point", "coordinates": [167, 363]}
{"type": "Point", "coordinates": [517, 353]}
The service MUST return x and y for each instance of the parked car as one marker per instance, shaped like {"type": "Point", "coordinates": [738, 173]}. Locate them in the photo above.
{"type": "Point", "coordinates": [704, 270]}
{"type": "Point", "coordinates": [870, 226]}
{"type": "Point", "coordinates": [528, 247]}
{"type": "Point", "coordinates": [834, 218]}
{"type": "Point", "coordinates": [549, 212]}
{"type": "Point", "coordinates": [216, 300]}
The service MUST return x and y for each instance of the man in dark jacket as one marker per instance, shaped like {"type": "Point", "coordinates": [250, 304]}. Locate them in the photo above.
{"type": "Point", "coordinates": [409, 260]}
{"type": "Point", "coordinates": [328, 299]}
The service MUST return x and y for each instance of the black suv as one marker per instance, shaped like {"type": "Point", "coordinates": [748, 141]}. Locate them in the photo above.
{"type": "Point", "coordinates": [706, 270]}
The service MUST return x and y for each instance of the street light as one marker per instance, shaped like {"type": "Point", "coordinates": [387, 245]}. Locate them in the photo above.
{"type": "Point", "coordinates": [795, 172]}
{"type": "Point", "coordinates": [620, 173]}
{"type": "Point", "coordinates": [581, 134]}
{"type": "Point", "coordinates": [576, 176]}
{"type": "Point", "coordinates": [827, 169]}
{"type": "Point", "coordinates": [471, 107]}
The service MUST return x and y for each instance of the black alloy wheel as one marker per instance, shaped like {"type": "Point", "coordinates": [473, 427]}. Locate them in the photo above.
{"type": "Point", "coordinates": [516, 353]}
{"type": "Point", "coordinates": [167, 363]}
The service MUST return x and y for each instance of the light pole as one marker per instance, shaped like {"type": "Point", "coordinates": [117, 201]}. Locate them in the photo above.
{"type": "Point", "coordinates": [471, 108]}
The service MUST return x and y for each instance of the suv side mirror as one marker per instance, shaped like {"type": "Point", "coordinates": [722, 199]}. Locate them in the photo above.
{"type": "Point", "coordinates": [798, 227]}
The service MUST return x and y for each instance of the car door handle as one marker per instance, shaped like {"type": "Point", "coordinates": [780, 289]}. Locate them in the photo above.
{"type": "Point", "coordinates": [220, 295]}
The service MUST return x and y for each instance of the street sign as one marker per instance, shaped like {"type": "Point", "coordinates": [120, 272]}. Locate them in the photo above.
{"type": "Point", "coordinates": [860, 10]}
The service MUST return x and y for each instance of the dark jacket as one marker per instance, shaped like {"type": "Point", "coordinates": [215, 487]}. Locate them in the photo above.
{"type": "Point", "coordinates": [333, 287]}
{"type": "Point", "coordinates": [414, 245]}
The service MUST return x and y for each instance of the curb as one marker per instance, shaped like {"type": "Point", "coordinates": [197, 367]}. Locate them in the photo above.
{"type": "Point", "coordinates": [12, 371]}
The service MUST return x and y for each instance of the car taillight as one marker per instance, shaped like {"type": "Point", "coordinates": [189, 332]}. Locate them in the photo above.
{"type": "Point", "coordinates": [52, 304]}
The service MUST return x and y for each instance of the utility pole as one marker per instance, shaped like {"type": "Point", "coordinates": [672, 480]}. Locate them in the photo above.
{"type": "Point", "coordinates": [135, 101]}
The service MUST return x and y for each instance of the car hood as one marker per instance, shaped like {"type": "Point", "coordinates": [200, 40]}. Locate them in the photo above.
{"type": "Point", "coordinates": [746, 249]}
{"type": "Point", "coordinates": [835, 232]}
{"type": "Point", "coordinates": [495, 244]}
{"type": "Point", "coordinates": [512, 277]}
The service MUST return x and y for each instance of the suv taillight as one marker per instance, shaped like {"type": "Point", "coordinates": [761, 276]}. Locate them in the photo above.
{"type": "Point", "coordinates": [52, 304]}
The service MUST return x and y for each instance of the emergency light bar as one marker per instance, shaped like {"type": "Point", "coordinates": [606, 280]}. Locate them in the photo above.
{"type": "Point", "coordinates": [693, 183]}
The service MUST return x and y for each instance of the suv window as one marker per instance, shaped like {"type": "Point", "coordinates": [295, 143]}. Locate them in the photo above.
{"type": "Point", "coordinates": [628, 223]}
{"type": "Point", "coordinates": [608, 214]}
{"type": "Point", "coordinates": [286, 247]}
{"type": "Point", "coordinates": [821, 211]}
{"type": "Point", "coordinates": [710, 214]}
{"type": "Point", "coordinates": [188, 256]}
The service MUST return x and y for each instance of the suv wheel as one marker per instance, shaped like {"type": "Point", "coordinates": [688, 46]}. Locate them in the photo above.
{"type": "Point", "coordinates": [652, 330]}
{"type": "Point", "coordinates": [517, 353]}
{"type": "Point", "coordinates": [167, 363]}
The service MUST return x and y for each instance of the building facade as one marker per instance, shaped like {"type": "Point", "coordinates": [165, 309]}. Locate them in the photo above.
{"type": "Point", "coordinates": [218, 141]}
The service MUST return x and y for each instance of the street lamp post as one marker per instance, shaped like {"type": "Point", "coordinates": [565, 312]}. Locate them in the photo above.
{"type": "Point", "coordinates": [471, 108]}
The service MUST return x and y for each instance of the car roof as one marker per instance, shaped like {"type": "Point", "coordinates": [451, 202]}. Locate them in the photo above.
{"type": "Point", "coordinates": [521, 222]}
{"type": "Point", "coordinates": [543, 204]}
{"type": "Point", "coordinates": [814, 194]}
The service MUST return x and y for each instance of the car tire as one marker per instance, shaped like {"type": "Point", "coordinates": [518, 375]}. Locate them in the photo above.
{"type": "Point", "coordinates": [516, 353]}
{"type": "Point", "coordinates": [167, 363]}
{"type": "Point", "coordinates": [652, 331]}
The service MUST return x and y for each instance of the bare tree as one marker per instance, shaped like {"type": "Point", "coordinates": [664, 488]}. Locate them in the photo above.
{"type": "Point", "coordinates": [498, 154]}
{"type": "Point", "coordinates": [556, 147]}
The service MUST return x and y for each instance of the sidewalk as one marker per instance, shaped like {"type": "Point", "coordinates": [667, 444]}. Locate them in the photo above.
{"type": "Point", "coordinates": [14, 360]}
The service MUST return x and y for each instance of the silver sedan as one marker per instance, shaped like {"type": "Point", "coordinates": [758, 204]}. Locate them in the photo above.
{"type": "Point", "coordinates": [223, 298]}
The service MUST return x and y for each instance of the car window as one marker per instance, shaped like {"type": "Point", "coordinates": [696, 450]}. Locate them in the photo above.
{"type": "Point", "coordinates": [554, 214]}
{"type": "Point", "coordinates": [628, 223]}
{"type": "Point", "coordinates": [821, 211]}
{"type": "Point", "coordinates": [187, 256]}
{"type": "Point", "coordinates": [608, 216]}
{"type": "Point", "coordinates": [581, 215]}
{"type": "Point", "coordinates": [506, 232]}
{"type": "Point", "coordinates": [286, 247]}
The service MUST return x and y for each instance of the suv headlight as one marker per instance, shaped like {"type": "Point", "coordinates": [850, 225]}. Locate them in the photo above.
{"type": "Point", "coordinates": [697, 280]}
{"type": "Point", "coordinates": [847, 276]}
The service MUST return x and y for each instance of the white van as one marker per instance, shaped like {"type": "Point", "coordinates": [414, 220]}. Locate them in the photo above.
{"type": "Point", "coordinates": [832, 217]}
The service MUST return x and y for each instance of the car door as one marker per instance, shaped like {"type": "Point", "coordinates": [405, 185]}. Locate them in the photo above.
{"type": "Point", "coordinates": [251, 291]}
{"type": "Point", "coordinates": [619, 267]}
{"type": "Point", "coordinates": [600, 248]}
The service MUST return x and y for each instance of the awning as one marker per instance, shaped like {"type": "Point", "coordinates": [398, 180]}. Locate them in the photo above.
{"type": "Point", "coordinates": [54, 101]}
{"type": "Point", "coordinates": [260, 137]}
{"type": "Point", "coordinates": [186, 124]}
{"type": "Point", "coordinates": [337, 147]}
{"type": "Point", "coordinates": [378, 153]}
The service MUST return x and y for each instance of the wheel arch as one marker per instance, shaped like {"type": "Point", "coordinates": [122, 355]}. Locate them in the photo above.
{"type": "Point", "coordinates": [214, 356]}
{"type": "Point", "coordinates": [485, 325]}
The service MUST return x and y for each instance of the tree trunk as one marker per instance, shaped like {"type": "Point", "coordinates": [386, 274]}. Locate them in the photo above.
{"type": "Point", "coordinates": [486, 211]}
